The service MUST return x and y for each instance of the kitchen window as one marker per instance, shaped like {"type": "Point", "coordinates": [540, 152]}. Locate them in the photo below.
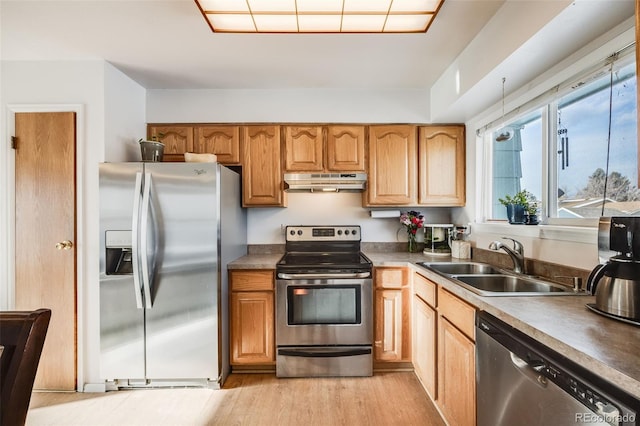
{"type": "Point", "coordinates": [575, 150]}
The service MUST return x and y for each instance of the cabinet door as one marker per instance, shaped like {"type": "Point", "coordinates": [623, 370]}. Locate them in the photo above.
{"type": "Point", "coordinates": [224, 141]}
{"type": "Point", "coordinates": [392, 331]}
{"type": "Point", "coordinates": [252, 328]}
{"type": "Point", "coordinates": [176, 139]}
{"type": "Point", "coordinates": [303, 149]}
{"type": "Point", "coordinates": [262, 172]}
{"type": "Point", "coordinates": [456, 375]}
{"type": "Point", "coordinates": [441, 166]}
{"type": "Point", "coordinates": [392, 165]}
{"type": "Point", "coordinates": [424, 346]}
{"type": "Point", "coordinates": [345, 148]}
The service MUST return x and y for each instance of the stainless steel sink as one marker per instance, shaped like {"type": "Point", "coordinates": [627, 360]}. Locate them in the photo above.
{"type": "Point", "coordinates": [487, 280]}
{"type": "Point", "coordinates": [461, 268]}
{"type": "Point", "coordinates": [510, 284]}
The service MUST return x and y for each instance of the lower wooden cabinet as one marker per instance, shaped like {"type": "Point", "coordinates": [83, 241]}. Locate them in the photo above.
{"type": "Point", "coordinates": [425, 334]}
{"type": "Point", "coordinates": [392, 339]}
{"type": "Point", "coordinates": [252, 328]}
{"type": "Point", "coordinates": [444, 350]}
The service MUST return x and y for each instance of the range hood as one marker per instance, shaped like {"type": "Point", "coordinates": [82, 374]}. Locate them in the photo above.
{"type": "Point", "coordinates": [325, 182]}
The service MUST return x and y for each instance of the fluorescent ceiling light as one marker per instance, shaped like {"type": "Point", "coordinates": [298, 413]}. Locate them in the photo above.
{"type": "Point", "coordinates": [319, 16]}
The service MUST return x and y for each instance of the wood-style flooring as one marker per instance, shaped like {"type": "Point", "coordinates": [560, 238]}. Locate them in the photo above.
{"type": "Point", "coordinates": [249, 399]}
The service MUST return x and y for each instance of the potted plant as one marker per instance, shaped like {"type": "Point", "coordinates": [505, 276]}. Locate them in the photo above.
{"type": "Point", "coordinates": [532, 209]}
{"type": "Point", "coordinates": [516, 206]}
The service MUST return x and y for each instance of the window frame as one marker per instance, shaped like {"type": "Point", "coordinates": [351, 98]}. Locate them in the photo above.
{"type": "Point", "coordinates": [548, 104]}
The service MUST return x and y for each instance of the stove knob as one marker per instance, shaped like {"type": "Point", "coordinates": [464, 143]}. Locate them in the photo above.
{"type": "Point", "coordinates": [292, 232]}
{"type": "Point", "coordinates": [339, 232]}
{"type": "Point", "coordinates": [299, 231]}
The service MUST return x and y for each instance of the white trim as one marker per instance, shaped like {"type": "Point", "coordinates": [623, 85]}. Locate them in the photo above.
{"type": "Point", "coordinates": [9, 161]}
{"type": "Point", "coordinates": [576, 234]}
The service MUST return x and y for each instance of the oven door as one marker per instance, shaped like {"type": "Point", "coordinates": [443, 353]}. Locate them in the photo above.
{"type": "Point", "coordinates": [324, 312]}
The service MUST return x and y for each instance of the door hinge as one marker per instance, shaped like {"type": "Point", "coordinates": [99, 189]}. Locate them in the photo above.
{"type": "Point", "coordinates": [14, 142]}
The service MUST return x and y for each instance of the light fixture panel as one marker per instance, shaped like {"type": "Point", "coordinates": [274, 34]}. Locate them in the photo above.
{"type": "Point", "coordinates": [319, 23]}
{"type": "Point", "coordinates": [282, 6]}
{"type": "Point", "coordinates": [366, 6]}
{"type": "Point", "coordinates": [224, 5]}
{"type": "Point", "coordinates": [414, 5]}
{"type": "Point", "coordinates": [228, 22]}
{"type": "Point", "coordinates": [319, 16]}
{"type": "Point", "coordinates": [276, 23]}
{"type": "Point", "coordinates": [322, 6]}
{"type": "Point", "coordinates": [406, 23]}
{"type": "Point", "coordinates": [363, 23]}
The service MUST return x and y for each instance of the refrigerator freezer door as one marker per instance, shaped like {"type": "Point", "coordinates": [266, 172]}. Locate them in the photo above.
{"type": "Point", "coordinates": [121, 322]}
{"type": "Point", "coordinates": [182, 324]}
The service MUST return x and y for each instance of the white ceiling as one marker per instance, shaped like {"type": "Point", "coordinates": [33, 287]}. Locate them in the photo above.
{"type": "Point", "coordinates": [168, 45]}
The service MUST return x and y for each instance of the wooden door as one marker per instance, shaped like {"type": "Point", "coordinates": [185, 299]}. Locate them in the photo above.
{"type": "Point", "coordinates": [46, 217]}
{"type": "Point", "coordinates": [262, 178]}
{"type": "Point", "coordinates": [441, 166]}
{"type": "Point", "coordinates": [424, 350]}
{"type": "Point", "coordinates": [345, 148]}
{"type": "Point", "coordinates": [224, 141]}
{"type": "Point", "coordinates": [456, 375]}
{"type": "Point", "coordinates": [392, 166]}
{"type": "Point", "coordinates": [252, 328]}
{"type": "Point", "coordinates": [303, 149]}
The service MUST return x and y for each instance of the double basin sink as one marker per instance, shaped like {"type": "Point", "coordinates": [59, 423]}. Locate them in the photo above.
{"type": "Point", "coordinates": [487, 280]}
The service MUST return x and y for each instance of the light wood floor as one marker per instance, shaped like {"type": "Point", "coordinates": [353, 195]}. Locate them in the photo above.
{"type": "Point", "coordinates": [249, 399]}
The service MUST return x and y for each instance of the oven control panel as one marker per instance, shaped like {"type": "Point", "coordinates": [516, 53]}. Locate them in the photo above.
{"type": "Point", "coordinates": [323, 233]}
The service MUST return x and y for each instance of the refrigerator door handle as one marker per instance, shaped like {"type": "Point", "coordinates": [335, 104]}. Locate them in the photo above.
{"type": "Point", "coordinates": [144, 241]}
{"type": "Point", "coordinates": [137, 287]}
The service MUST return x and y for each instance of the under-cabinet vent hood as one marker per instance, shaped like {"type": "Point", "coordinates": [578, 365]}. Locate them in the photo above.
{"type": "Point", "coordinates": [325, 182]}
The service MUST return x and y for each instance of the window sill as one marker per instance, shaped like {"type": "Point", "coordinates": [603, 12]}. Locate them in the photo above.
{"type": "Point", "coordinates": [576, 234]}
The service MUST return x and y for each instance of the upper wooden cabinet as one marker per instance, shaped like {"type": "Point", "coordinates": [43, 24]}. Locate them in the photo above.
{"type": "Point", "coordinates": [441, 166]}
{"type": "Point", "coordinates": [396, 178]}
{"type": "Point", "coordinates": [345, 148]}
{"type": "Point", "coordinates": [262, 177]}
{"type": "Point", "coordinates": [324, 148]}
{"type": "Point", "coordinates": [224, 141]}
{"type": "Point", "coordinates": [303, 148]}
{"type": "Point", "coordinates": [392, 166]}
{"type": "Point", "coordinates": [177, 140]}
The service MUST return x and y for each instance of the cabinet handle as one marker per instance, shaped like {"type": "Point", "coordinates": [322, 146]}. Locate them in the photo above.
{"type": "Point", "coordinates": [64, 245]}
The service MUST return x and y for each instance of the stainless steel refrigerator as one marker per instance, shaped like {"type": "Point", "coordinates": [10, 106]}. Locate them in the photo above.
{"type": "Point", "coordinates": [167, 232]}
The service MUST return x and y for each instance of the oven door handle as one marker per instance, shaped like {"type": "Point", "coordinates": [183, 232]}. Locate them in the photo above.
{"type": "Point", "coordinates": [324, 352]}
{"type": "Point", "coordinates": [285, 276]}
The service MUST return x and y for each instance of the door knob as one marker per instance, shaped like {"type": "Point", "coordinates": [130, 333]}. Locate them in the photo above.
{"type": "Point", "coordinates": [64, 245]}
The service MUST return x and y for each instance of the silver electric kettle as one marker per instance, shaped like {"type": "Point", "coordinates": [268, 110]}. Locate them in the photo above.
{"type": "Point", "coordinates": [616, 281]}
{"type": "Point", "coordinates": [616, 285]}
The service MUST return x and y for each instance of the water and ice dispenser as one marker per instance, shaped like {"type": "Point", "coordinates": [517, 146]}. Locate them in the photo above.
{"type": "Point", "coordinates": [118, 253]}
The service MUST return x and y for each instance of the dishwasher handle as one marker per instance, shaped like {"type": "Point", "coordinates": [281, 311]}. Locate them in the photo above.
{"type": "Point", "coordinates": [530, 371]}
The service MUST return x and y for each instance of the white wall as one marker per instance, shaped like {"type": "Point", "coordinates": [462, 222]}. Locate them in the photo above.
{"type": "Point", "coordinates": [283, 105]}
{"type": "Point", "coordinates": [111, 112]}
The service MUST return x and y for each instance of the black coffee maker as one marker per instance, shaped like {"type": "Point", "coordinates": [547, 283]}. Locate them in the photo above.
{"type": "Point", "coordinates": [616, 281]}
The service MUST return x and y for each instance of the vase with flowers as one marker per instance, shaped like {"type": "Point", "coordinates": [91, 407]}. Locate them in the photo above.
{"type": "Point", "coordinates": [412, 221]}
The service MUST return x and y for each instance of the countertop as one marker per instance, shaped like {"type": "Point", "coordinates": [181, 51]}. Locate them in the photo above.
{"type": "Point", "coordinates": [607, 347]}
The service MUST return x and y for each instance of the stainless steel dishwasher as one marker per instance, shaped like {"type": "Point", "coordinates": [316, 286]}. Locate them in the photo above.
{"type": "Point", "coordinates": [522, 382]}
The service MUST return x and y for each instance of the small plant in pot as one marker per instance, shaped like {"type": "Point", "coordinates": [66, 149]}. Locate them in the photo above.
{"type": "Point", "coordinates": [516, 206]}
{"type": "Point", "coordinates": [533, 206]}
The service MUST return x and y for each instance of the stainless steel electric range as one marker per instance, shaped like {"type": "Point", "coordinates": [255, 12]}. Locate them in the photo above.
{"type": "Point", "coordinates": [324, 304]}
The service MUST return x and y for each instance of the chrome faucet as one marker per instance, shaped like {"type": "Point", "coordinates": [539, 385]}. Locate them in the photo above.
{"type": "Point", "coordinates": [516, 253]}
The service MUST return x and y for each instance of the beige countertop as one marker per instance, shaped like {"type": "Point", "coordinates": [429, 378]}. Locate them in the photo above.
{"type": "Point", "coordinates": [607, 347]}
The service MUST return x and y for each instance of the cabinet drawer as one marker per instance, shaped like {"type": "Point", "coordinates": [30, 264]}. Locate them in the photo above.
{"type": "Point", "coordinates": [391, 277]}
{"type": "Point", "coordinates": [251, 280]}
{"type": "Point", "coordinates": [459, 313]}
{"type": "Point", "coordinates": [425, 289]}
